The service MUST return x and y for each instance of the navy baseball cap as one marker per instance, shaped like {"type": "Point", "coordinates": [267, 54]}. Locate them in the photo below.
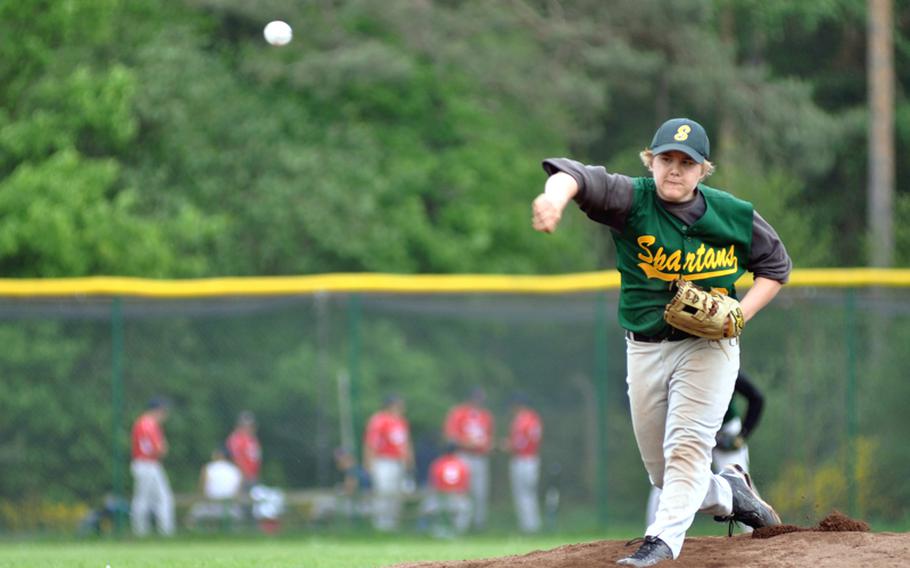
{"type": "Point", "coordinates": [158, 402]}
{"type": "Point", "coordinates": [685, 135]}
{"type": "Point", "coordinates": [519, 399]}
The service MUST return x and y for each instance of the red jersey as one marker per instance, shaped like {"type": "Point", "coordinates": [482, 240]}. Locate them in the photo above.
{"type": "Point", "coordinates": [471, 427]}
{"type": "Point", "coordinates": [148, 438]}
{"type": "Point", "coordinates": [526, 432]}
{"type": "Point", "coordinates": [449, 474]}
{"type": "Point", "coordinates": [387, 435]}
{"type": "Point", "coordinates": [245, 452]}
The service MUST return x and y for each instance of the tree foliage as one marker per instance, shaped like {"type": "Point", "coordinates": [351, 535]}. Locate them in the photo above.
{"type": "Point", "coordinates": [403, 136]}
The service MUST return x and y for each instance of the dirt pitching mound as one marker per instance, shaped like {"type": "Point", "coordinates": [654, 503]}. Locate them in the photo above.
{"type": "Point", "coordinates": [835, 522]}
{"type": "Point", "coordinates": [836, 542]}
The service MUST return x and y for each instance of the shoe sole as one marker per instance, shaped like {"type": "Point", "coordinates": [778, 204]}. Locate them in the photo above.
{"type": "Point", "coordinates": [641, 564]}
{"type": "Point", "coordinates": [738, 469]}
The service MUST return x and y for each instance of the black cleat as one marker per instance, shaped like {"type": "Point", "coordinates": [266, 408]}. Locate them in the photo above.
{"type": "Point", "coordinates": [651, 551]}
{"type": "Point", "coordinates": [748, 507]}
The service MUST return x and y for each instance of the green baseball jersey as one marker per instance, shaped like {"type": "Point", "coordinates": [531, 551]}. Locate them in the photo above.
{"type": "Point", "coordinates": [654, 248]}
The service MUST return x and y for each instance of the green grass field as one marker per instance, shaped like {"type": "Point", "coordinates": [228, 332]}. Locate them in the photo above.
{"type": "Point", "coordinates": [300, 550]}
{"type": "Point", "coordinates": [303, 552]}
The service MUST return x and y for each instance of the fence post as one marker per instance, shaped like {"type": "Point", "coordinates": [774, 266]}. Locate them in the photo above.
{"type": "Point", "coordinates": [354, 368]}
{"type": "Point", "coordinates": [117, 411]}
{"type": "Point", "coordinates": [600, 381]}
{"type": "Point", "coordinates": [850, 397]}
{"type": "Point", "coordinates": [322, 390]}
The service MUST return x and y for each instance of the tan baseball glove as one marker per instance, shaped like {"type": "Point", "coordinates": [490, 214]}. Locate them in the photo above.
{"type": "Point", "coordinates": [711, 315]}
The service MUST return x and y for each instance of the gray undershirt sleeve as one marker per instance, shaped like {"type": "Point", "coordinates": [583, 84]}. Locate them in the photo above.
{"type": "Point", "coordinates": [769, 258]}
{"type": "Point", "coordinates": [604, 197]}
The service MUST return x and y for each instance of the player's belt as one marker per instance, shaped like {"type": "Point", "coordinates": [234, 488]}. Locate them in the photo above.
{"type": "Point", "coordinates": [671, 334]}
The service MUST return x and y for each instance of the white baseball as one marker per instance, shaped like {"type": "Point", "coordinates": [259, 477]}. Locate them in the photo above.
{"type": "Point", "coordinates": [277, 33]}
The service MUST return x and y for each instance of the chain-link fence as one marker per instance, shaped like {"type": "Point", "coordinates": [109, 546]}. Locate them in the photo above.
{"type": "Point", "coordinates": [77, 369]}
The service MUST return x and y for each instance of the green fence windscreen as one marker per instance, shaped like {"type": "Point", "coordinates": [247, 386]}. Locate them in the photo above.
{"type": "Point", "coordinates": [76, 371]}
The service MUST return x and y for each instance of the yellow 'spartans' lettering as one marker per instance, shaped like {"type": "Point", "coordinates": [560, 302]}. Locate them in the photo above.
{"type": "Point", "coordinates": [710, 259]}
{"type": "Point", "coordinates": [682, 133]}
{"type": "Point", "coordinates": [670, 262]}
{"type": "Point", "coordinates": [644, 242]}
{"type": "Point", "coordinates": [703, 263]}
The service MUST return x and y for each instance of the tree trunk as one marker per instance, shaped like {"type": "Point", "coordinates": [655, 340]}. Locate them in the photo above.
{"type": "Point", "coordinates": [880, 75]}
{"type": "Point", "coordinates": [726, 139]}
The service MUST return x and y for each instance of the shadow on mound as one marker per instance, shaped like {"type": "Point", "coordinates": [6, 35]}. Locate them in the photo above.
{"type": "Point", "coordinates": [836, 542]}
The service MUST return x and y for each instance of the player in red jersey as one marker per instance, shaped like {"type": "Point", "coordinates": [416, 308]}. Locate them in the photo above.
{"type": "Point", "coordinates": [470, 427]}
{"type": "Point", "coordinates": [151, 489]}
{"type": "Point", "coordinates": [244, 448]}
{"type": "Point", "coordinates": [524, 439]}
{"type": "Point", "coordinates": [448, 503]}
{"type": "Point", "coordinates": [388, 455]}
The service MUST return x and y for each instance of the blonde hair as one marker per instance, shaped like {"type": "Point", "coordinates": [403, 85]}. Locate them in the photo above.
{"type": "Point", "coordinates": [647, 158]}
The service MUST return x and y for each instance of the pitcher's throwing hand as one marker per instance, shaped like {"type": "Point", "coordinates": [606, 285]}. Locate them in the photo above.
{"type": "Point", "coordinates": [546, 214]}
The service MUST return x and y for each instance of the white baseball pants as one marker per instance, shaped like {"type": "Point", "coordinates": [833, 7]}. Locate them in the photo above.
{"type": "Point", "coordinates": [479, 467]}
{"type": "Point", "coordinates": [387, 476]}
{"type": "Point", "coordinates": [448, 511]}
{"type": "Point", "coordinates": [721, 459]}
{"type": "Point", "coordinates": [151, 494]}
{"type": "Point", "coordinates": [679, 392]}
{"type": "Point", "coordinates": [524, 474]}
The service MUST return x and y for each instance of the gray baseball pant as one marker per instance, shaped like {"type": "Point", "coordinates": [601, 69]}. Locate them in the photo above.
{"type": "Point", "coordinates": [151, 494]}
{"type": "Point", "coordinates": [679, 392]}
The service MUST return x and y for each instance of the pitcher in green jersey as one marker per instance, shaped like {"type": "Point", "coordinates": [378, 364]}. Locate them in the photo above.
{"type": "Point", "coordinates": [667, 226]}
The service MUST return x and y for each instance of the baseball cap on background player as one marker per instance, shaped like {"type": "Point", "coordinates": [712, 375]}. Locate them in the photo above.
{"type": "Point", "coordinates": [158, 402]}
{"type": "Point", "coordinates": [477, 395]}
{"type": "Point", "coordinates": [391, 398]}
{"type": "Point", "coordinates": [519, 398]}
{"type": "Point", "coordinates": [684, 135]}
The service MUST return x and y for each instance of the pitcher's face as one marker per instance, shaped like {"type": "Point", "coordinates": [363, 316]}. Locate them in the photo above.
{"type": "Point", "coordinates": [676, 176]}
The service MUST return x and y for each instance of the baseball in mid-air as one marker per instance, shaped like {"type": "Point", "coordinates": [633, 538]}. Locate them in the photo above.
{"type": "Point", "coordinates": [277, 33]}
